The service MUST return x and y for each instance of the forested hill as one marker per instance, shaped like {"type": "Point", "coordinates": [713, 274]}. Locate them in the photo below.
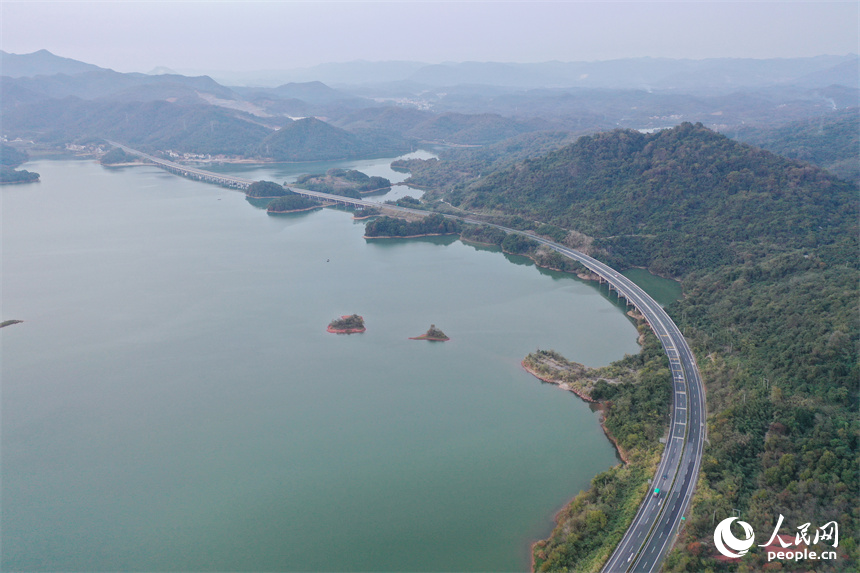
{"type": "Point", "coordinates": [766, 248]}
{"type": "Point", "coordinates": [311, 139]}
{"type": "Point", "coordinates": [831, 142]}
{"type": "Point", "coordinates": [677, 200]}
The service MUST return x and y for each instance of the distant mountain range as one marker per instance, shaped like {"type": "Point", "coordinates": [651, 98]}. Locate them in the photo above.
{"type": "Point", "coordinates": [383, 107]}
{"type": "Point", "coordinates": [632, 73]}
{"type": "Point", "coordinates": [41, 63]}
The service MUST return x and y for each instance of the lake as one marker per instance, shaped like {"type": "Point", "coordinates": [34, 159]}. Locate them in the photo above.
{"type": "Point", "coordinates": [174, 402]}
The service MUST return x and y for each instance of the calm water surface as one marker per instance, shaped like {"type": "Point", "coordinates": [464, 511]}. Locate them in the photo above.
{"type": "Point", "coordinates": [289, 172]}
{"type": "Point", "coordinates": [664, 291]}
{"type": "Point", "coordinates": [173, 402]}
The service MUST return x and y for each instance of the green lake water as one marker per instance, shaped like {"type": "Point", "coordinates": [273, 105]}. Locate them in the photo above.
{"type": "Point", "coordinates": [173, 402]}
{"type": "Point", "coordinates": [664, 291]}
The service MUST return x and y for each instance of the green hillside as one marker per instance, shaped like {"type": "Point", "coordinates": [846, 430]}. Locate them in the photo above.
{"type": "Point", "coordinates": [831, 142]}
{"type": "Point", "coordinates": [149, 126]}
{"type": "Point", "coordinates": [311, 139]}
{"type": "Point", "coordinates": [10, 158]}
{"type": "Point", "coordinates": [678, 200]}
{"type": "Point", "coordinates": [345, 182]}
{"type": "Point", "coordinates": [766, 249]}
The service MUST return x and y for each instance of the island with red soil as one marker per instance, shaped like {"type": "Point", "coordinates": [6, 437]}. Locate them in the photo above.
{"type": "Point", "coordinates": [346, 324]}
{"type": "Point", "coordinates": [433, 334]}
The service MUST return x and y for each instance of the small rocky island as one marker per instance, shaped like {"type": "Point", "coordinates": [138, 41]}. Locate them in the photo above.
{"type": "Point", "coordinates": [433, 334]}
{"type": "Point", "coordinates": [347, 324]}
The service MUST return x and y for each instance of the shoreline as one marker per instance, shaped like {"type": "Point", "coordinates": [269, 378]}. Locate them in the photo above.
{"type": "Point", "coordinates": [625, 457]}
{"type": "Point", "coordinates": [344, 330]}
{"type": "Point", "coordinates": [124, 164]}
{"type": "Point", "coordinates": [411, 236]}
{"type": "Point", "coordinates": [620, 452]}
{"type": "Point", "coordinates": [377, 190]}
{"type": "Point", "coordinates": [294, 210]}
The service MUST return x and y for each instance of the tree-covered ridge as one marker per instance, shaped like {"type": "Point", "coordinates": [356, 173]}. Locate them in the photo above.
{"type": "Point", "coordinates": [457, 165]}
{"type": "Point", "coordinates": [311, 139]}
{"type": "Point", "coordinates": [344, 182]}
{"type": "Point", "coordinates": [9, 175]}
{"type": "Point", "coordinates": [265, 190]}
{"type": "Point", "coordinates": [676, 200]}
{"type": "Point", "coordinates": [291, 202]}
{"type": "Point", "coordinates": [148, 126]}
{"type": "Point", "coordinates": [10, 158]}
{"type": "Point", "coordinates": [831, 141]}
{"type": "Point", "coordinates": [117, 155]}
{"type": "Point", "coordinates": [434, 224]}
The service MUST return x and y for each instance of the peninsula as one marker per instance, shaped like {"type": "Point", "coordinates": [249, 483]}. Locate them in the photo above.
{"type": "Point", "coordinates": [10, 158]}
{"type": "Point", "coordinates": [346, 324]}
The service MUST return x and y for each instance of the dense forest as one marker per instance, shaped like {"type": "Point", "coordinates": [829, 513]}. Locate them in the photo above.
{"type": "Point", "coordinates": [311, 139]}
{"type": "Point", "coordinates": [830, 141]}
{"type": "Point", "coordinates": [345, 182]}
{"type": "Point", "coordinates": [434, 224]}
{"type": "Point", "coordinates": [149, 125]}
{"type": "Point", "coordinates": [265, 190]}
{"type": "Point", "coordinates": [291, 202]}
{"type": "Point", "coordinates": [766, 249]}
{"type": "Point", "coordinates": [675, 201]}
{"type": "Point", "coordinates": [116, 156]}
{"type": "Point", "coordinates": [10, 158]}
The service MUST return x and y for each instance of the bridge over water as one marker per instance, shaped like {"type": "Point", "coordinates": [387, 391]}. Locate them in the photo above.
{"type": "Point", "coordinates": [658, 519]}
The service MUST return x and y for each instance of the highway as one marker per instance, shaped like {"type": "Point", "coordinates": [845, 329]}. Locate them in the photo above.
{"type": "Point", "coordinates": [656, 524]}
{"type": "Point", "coordinates": [658, 519]}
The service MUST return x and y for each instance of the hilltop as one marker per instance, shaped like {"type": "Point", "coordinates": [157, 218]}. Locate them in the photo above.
{"type": "Point", "coordinates": [311, 139]}
{"type": "Point", "coordinates": [677, 200]}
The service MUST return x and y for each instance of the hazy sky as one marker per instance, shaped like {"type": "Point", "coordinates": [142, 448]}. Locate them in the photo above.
{"type": "Point", "coordinates": [140, 35]}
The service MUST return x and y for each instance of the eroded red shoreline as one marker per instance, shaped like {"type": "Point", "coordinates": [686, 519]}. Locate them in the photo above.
{"type": "Point", "coordinates": [332, 330]}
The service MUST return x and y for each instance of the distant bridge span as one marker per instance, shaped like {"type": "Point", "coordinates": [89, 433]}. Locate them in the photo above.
{"type": "Point", "coordinates": [658, 520]}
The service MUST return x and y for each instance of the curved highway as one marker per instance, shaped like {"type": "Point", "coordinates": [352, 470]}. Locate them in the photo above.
{"type": "Point", "coordinates": [658, 519]}
{"type": "Point", "coordinates": [656, 524]}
